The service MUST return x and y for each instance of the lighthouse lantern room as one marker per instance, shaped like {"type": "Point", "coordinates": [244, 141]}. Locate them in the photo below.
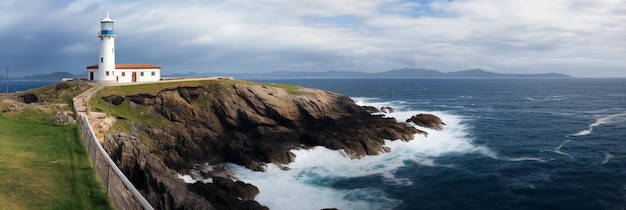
{"type": "Point", "coordinates": [106, 71]}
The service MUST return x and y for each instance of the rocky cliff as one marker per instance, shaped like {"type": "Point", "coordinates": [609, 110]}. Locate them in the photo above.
{"type": "Point", "coordinates": [232, 121]}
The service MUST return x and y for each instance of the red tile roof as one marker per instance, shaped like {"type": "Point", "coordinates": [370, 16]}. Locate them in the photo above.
{"type": "Point", "coordinates": [129, 66]}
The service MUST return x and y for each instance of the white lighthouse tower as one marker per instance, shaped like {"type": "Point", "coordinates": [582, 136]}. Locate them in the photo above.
{"type": "Point", "coordinates": [107, 71]}
{"type": "Point", "coordinates": [106, 62]}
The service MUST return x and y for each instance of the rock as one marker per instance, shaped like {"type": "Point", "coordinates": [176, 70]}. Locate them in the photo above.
{"type": "Point", "coordinates": [371, 109]}
{"type": "Point", "coordinates": [29, 98]}
{"type": "Point", "coordinates": [427, 121]}
{"type": "Point", "coordinates": [219, 170]}
{"type": "Point", "coordinates": [387, 109]}
{"type": "Point", "coordinates": [114, 99]}
{"type": "Point", "coordinates": [226, 194]}
{"type": "Point", "coordinates": [159, 184]}
{"type": "Point", "coordinates": [15, 107]}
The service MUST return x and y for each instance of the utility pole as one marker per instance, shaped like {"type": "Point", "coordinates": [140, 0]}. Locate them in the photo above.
{"type": "Point", "coordinates": [7, 81]}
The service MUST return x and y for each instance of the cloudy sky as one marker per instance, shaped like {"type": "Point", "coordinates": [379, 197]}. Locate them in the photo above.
{"type": "Point", "coordinates": [583, 38]}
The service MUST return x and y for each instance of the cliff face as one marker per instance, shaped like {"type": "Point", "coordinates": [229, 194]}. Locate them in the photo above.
{"type": "Point", "coordinates": [243, 123]}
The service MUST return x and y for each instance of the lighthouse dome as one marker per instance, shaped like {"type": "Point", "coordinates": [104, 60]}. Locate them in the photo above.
{"type": "Point", "coordinates": [107, 19]}
{"type": "Point", "coordinates": [106, 26]}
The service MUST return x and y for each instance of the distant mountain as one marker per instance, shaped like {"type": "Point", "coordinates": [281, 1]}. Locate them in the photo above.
{"type": "Point", "coordinates": [192, 74]}
{"type": "Point", "coordinates": [400, 73]}
{"type": "Point", "coordinates": [395, 73]}
{"type": "Point", "coordinates": [479, 73]}
{"type": "Point", "coordinates": [473, 73]}
{"type": "Point", "coordinates": [49, 77]}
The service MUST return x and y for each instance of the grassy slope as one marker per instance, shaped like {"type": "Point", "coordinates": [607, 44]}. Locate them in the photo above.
{"type": "Point", "coordinates": [46, 167]}
{"type": "Point", "coordinates": [43, 166]}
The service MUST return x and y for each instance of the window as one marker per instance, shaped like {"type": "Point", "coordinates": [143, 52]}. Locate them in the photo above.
{"type": "Point", "coordinates": [153, 73]}
{"type": "Point", "coordinates": [112, 50]}
{"type": "Point", "coordinates": [141, 73]}
{"type": "Point", "coordinates": [123, 74]}
{"type": "Point", "coordinates": [107, 73]}
{"type": "Point", "coordinates": [101, 59]}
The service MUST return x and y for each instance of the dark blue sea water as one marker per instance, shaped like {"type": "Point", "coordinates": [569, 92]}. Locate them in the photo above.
{"type": "Point", "coordinates": [15, 86]}
{"type": "Point", "coordinates": [508, 144]}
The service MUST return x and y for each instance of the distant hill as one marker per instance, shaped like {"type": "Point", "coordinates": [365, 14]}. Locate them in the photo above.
{"type": "Point", "coordinates": [395, 73]}
{"type": "Point", "coordinates": [49, 77]}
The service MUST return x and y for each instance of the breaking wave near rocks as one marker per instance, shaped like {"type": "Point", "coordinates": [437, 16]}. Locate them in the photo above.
{"type": "Point", "coordinates": [323, 178]}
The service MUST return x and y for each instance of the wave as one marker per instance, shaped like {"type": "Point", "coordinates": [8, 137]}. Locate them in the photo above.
{"type": "Point", "coordinates": [558, 149]}
{"type": "Point", "coordinates": [607, 157]}
{"type": "Point", "coordinates": [312, 182]}
{"type": "Point", "coordinates": [518, 159]}
{"type": "Point", "coordinates": [605, 119]}
{"type": "Point", "coordinates": [548, 98]}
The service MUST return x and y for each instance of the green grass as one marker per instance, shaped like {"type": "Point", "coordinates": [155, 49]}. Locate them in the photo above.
{"type": "Point", "coordinates": [126, 114]}
{"type": "Point", "coordinates": [291, 89]}
{"type": "Point", "coordinates": [46, 167]}
{"type": "Point", "coordinates": [154, 88]}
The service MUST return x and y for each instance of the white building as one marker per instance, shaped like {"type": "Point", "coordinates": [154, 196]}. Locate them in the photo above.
{"type": "Point", "coordinates": [106, 71]}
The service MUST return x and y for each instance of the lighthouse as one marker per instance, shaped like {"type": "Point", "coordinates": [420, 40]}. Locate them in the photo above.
{"type": "Point", "coordinates": [107, 71]}
{"type": "Point", "coordinates": [106, 63]}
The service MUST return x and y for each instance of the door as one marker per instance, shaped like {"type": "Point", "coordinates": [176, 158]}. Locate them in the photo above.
{"type": "Point", "coordinates": [91, 75]}
{"type": "Point", "coordinates": [134, 76]}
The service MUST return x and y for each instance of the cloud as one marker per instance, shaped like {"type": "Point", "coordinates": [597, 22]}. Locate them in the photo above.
{"type": "Point", "coordinates": [576, 37]}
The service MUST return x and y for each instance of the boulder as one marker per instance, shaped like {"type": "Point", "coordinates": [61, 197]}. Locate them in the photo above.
{"type": "Point", "coordinates": [114, 99]}
{"type": "Point", "coordinates": [427, 121]}
{"type": "Point", "coordinates": [387, 109]}
{"type": "Point", "coordinates": [30, 98]}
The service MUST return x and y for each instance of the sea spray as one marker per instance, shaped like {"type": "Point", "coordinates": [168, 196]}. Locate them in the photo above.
{"type": "Point", "coordinates": [310, 182]}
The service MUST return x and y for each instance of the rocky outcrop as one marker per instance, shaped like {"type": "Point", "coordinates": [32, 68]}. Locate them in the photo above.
{"type": "Point", "coordinates": [427, 121]}
{"type": "Point", "coordinates": [242, 123]}
{"type": "Point", "coordinates": [161, 186]}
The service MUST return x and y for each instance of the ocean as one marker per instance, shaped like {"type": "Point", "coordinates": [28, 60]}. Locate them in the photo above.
{"type": "Point", "coordinates": [17, 86]}
{"type": "Point", "coordinates": [508, 144]}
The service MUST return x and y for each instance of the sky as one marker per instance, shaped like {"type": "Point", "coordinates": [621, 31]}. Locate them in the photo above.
{"type": "Point", "coordinates": [581, 38]}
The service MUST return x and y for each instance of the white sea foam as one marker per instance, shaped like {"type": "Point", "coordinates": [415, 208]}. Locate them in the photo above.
{"type": "Point", "coordinates": [607, 157]}
{"type": "Point", "coordinates": [558, 149]}
{"type": "Point", "coordinates": [187, 178]}
{"type": "Point", "coordinates": [548, 98]}
{"type": "Point", "coordinates": [308, 184]}
{"type": "Point", "coordinates": [604, 119]}
{"type": "Point", "coordinates": [190, 180]}
{"type": "Point", "coordinates": [526, 159]}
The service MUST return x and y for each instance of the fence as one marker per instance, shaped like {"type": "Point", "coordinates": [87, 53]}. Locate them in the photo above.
{"type": "Point", "coordinates": [118, 188]}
